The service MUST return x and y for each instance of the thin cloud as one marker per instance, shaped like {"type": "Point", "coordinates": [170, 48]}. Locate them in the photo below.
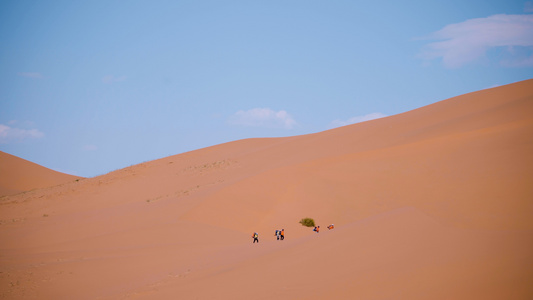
{"type": "Point", "coordinates": [108, 79]}
{"type": "Point", "coordinates": [9, 134]}
{"type": "Point", "coordinates": [34, 75]}
{"type": "Point", "coordinates": [90, 148]}
{"type": "Point", "coordinates": [517, 61]}
{"type": "Point", "coordinates": [528, 6]}
{"type": "Point", "coordinates": [492, 86]}
{"type": "Point", "coordinates": [263, 117]}
{"type": "Point", "coordinates": [358, 119]}
{"type": "Point", "coordinates": [462, 43]}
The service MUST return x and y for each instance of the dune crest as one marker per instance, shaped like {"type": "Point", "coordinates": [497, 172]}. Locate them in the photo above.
{"type": "Point", "coordinates": [19, 175]}
{"type": "Point", "coordinates": [434, 203]}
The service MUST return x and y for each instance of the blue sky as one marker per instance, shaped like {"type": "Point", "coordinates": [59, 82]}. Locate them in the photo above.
{"type": "Point", "coordinates": [88, 88]}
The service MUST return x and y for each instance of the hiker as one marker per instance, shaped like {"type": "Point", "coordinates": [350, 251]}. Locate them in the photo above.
{"type": "Point", "coordinates": [331, 226]}
{"type": "Point", "coordinates": [317, 229]}
{"type": "Point", "coordinates": [277, 234]}
{"type": "Point", "coordinates": [256, 237]}
{"type": "Point", "coordinates": [282, 234]}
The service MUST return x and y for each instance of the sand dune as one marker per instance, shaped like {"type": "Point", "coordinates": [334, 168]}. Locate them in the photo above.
{"type": "Point", "coordinates": [19, 175]}
{"type": "Point", "coordinates": [434, 203]}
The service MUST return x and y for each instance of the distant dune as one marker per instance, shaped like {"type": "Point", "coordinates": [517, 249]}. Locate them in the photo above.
{"type": "Point", "coordinates": [435, 203]}
{"type": "Point", "coordinates": [19, 175]}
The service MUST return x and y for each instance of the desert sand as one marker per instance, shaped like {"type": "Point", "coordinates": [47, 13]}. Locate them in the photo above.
{"type": "Point", "coordinates": [434, 203]}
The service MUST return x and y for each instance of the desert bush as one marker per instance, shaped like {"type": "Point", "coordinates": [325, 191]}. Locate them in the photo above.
{"type": "Point", "coordinates": [309, 222]}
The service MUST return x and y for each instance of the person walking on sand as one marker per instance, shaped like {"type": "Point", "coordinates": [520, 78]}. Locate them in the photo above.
{"type": "Point", "coordinates": [282, 234]}
{"type": "Point", "coordinates": [277, 234]}
{"type": "Point", "coordinates": [256, 237]}
{"type": "Point", "coordinates": [317, 229]}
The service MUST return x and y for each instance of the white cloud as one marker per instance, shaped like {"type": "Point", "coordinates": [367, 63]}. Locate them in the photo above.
{"type": "Point", "coordinates": [8, 134]}
{"type": "Point", "coordinates": [34, 75]}
{"type": "Point", "coordinates": [108, 79]}
{"type": "Point", "coordinates": [468, 41]}
{"type": "Point", "coordinates": [358, 119]}
{"type": "Point", "coordinates": [263, 117]}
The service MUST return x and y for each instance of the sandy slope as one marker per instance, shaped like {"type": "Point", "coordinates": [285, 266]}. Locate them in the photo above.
{"type": "Point", "coordinates": [19, 175]}
{"type": "Point", "coordinates": [434, 203]}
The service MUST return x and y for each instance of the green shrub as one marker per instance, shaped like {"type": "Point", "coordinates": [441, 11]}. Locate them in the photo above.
{"type": "Point", "coordinates": [307, 222]}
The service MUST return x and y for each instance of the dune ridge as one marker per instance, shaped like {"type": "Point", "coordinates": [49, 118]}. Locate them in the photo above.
{"type": "Point", "coordinates": [19, 175]}
{"type": "Point", "coordinates": [433, 203]}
